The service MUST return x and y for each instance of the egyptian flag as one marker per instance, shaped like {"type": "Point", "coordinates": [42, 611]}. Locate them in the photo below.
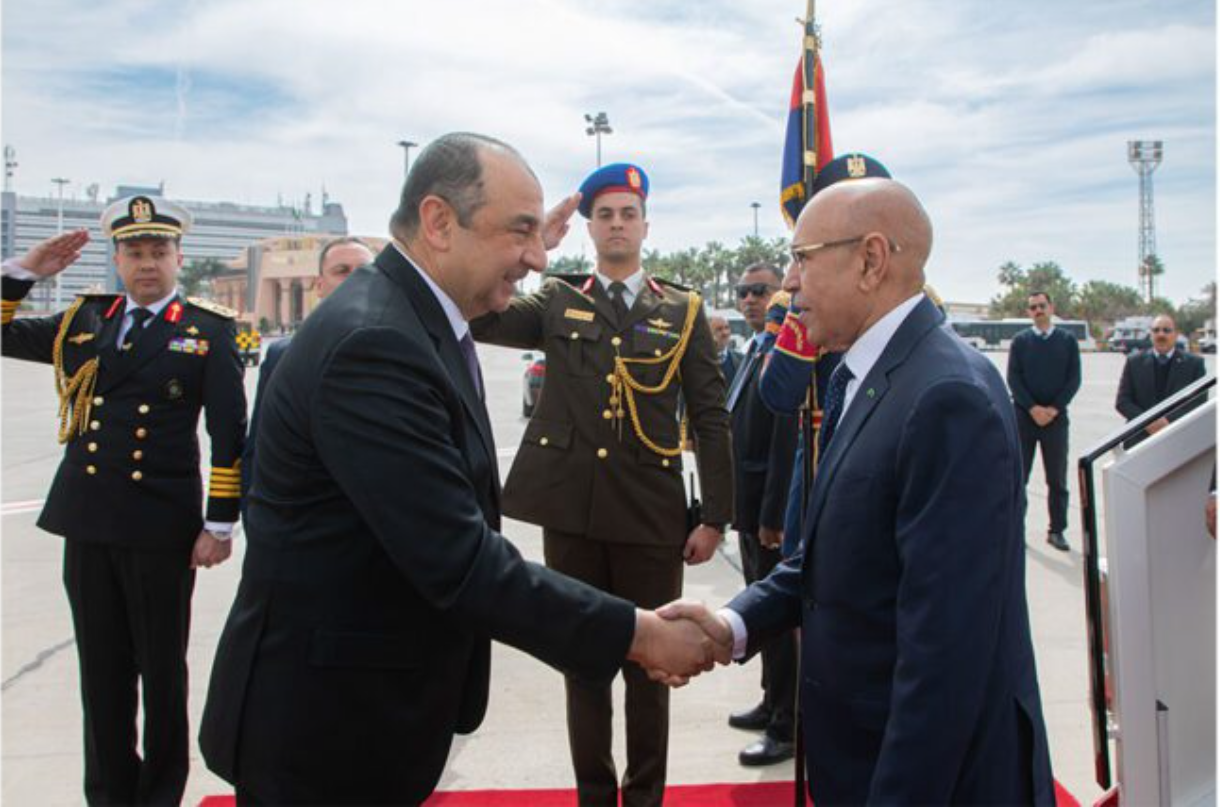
{"type": "Point", "coordinates": [800, 140]}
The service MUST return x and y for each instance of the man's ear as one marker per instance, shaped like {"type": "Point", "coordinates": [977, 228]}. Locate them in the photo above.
{"type": "Point", "coordinates": [436, 222]}
{"type": "Point", "coordinates": [876, 262]}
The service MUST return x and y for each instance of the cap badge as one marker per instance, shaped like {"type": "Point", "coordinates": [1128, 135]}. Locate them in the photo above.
{"type": "Point", "coordinates": [633, 179]}
{"type": "Point", "coordinates": [141, 210]}
{"type": "Point", "coordinates": [856, 167]}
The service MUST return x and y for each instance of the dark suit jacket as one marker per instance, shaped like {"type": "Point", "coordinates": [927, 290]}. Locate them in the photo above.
{"type": "Point", "coordinates": [918, 680]}
{"type": "Point", "coordinates": [1137, 388]}
{"type": "Point", "coordinates": [358, 643]}
{"type": "Point", "coordinates": [730, 363]}
{"type": "Point", "coordinates": [132, 479]}
{"type": "Point", "coordinates": [764, 448]}
{"type": "Point", "coordinates": [274, 351]}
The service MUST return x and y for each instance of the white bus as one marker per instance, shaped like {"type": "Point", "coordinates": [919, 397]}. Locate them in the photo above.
{"type": "Point", "coordinates": [996, 335]}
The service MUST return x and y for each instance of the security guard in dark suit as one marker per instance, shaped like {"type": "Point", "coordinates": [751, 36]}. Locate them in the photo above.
{"type": "Point", "coordinates": [600, 466]}
{"type": "Point", "coordinates": [133, 372]}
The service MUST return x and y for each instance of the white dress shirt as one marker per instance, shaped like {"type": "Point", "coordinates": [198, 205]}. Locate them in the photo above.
{"type": "Point", "coordinates": [860, 358]}
{"type": "Point", "coordinates": [633, 283]}
{"type": "Point", "coordinates": [154, 309]}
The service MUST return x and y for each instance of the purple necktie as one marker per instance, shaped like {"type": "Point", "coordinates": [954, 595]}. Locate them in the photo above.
{"type": "Point", "coordinates": [472, 363]}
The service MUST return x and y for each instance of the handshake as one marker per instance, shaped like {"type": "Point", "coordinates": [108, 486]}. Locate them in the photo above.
{"type": "Point", "coordinates": [680, 640]}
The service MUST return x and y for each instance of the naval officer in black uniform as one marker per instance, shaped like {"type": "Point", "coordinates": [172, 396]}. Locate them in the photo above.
{"type": "Point", "coordinates": [133, 372]}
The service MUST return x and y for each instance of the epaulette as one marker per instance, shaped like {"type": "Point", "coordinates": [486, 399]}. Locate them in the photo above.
{"type": "Point", "coordinates": [571, 278]}
{"type": "Point", "coordinates": [214, 308]}
{"type": "Point", "coordinates": [671, 284]}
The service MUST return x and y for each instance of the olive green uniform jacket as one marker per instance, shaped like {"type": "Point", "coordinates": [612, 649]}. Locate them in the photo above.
{"type": "Point", "coordinates": [582, 470]}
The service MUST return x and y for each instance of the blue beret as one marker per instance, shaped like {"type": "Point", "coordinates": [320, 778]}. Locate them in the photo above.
{"type": "Point", "coordinates": [852, 166]}
{"type": "Point", "coordinates": [623, 177]}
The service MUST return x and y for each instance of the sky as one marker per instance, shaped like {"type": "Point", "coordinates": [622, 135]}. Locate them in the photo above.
{"type": "Point", "coordinates": [1009, 119]}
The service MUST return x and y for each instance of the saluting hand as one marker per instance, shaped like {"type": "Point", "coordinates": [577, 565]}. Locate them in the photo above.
{"type": "Point", "coordinates": [54, 255]}
{"type": "Point", "coordinates": [555, 227]}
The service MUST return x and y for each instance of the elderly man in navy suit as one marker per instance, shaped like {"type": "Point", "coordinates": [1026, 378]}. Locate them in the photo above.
{"type": "Point", "coordinates": [918, 682]}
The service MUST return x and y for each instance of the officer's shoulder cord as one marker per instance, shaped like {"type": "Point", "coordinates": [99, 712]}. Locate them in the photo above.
{"type": "Point", "coordinates": [76, 393]}
{"type": "Point", "coordinates": [625, 386]}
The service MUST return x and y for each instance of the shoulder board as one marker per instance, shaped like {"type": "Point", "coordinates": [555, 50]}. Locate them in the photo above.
{"type": "Point", "coordinates": [571, 278]}
{"type": "Point", "coordinates": [671, 284]}
{"type": "Point", "coordinates": [214, 308]}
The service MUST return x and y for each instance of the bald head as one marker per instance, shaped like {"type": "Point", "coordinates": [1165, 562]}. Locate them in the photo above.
{"type": "Point", "coordinates": [877, 238]}
{"type": "Point", "coordinates": [885, 207]}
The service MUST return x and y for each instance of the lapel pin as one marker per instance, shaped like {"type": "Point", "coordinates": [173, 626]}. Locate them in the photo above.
{"type": "Point", "coordinates": [871, 392]}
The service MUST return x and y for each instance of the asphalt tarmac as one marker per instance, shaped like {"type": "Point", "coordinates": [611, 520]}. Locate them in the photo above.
{"type": "Point", "coordinates": [523, 742]}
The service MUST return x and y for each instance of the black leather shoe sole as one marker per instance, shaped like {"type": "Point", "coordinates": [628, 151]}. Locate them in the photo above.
{"type": "Point", "coordinates": [766, 751]}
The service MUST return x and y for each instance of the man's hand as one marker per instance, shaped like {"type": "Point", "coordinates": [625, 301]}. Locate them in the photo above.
{"type": "Point", "coordinates": [1156, 426]}
{"type": "Point", "coordinates": [1042, 415]}
{"type": "Point", "coordinates": [671, 651]}
{"type": "Point", "coordinates": [54, 255]}
{"type": "Point", "coordinates": [555, 226]}
{"type": "Point", "coordinates": [701, 544]}
{"type": "Point", "coordinates": [209, 550]}
{"type": "Point", "coordinates": [717, 629]}
{"type": "Point", "coordinates": [770, 538]}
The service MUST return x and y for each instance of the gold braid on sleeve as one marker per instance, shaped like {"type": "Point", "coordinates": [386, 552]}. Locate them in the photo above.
{"type": "Point", "coordinates": [75, 393]}
{"type": "Point", "coordinates": [624, 386]}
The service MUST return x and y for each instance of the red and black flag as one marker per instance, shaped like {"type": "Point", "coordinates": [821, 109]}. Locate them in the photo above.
{"type": "Point", "coordinates": [807, 145]}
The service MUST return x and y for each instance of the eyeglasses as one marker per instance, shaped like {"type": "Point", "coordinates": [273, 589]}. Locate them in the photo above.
{"type": "Point", "coordinates": [1037, 306]}
{"type": "Point", "coordinates": [1162, 330]}
{"type": "Point", "coordinates": [801, 251]}
{"type": "Point", "coordinates": [744, 290]}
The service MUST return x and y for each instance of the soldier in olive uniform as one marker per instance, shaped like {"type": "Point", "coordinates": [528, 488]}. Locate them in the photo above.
{"type": "Point", "coordinates": [133, 372]}
{"type": "Point", "coordinates": [600, 466]}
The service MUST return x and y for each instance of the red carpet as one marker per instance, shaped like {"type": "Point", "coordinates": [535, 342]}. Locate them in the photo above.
{"type": "Point", "coordinates": [752, 794]}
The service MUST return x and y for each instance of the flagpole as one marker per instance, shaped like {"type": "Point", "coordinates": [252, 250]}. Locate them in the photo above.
{"type": "Point", "coordinates": [809, 141]}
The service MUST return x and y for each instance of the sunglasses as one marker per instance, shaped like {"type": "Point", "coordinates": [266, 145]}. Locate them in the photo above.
{"type": "Point", "coordinates": [1162, 331]}
{"type": "Point", "coordinates": [744, 290]}
{"type": "Point", "coordinates": [1037, 306]}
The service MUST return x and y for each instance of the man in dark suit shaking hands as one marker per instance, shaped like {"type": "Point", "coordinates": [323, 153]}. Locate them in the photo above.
{"type": "Point", "coordinates": [918, 684]}
{"type": "Point", "coordinates": [375, 576]}
{"type": "Point", "coordinates": [1150, 377]}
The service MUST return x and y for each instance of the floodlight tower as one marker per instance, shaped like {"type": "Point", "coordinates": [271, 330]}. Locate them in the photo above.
{"type": "Point", "coordinates": [1144, 156]}
{"type": "Point", "coordinates": [599, 124]}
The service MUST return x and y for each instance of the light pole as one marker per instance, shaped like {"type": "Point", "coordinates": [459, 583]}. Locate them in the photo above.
{"type": "Point", "coordinates": [756, 206]}
{"type": "Point", "coordinates": [59, 229]}
{"type": "Point", "coordinates": [407, 145]}
{"type": "Point", "coordinates": [599, 125]}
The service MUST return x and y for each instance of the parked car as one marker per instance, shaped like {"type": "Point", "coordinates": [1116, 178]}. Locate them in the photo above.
{"type": "Point", "coordinates": [531, 387]}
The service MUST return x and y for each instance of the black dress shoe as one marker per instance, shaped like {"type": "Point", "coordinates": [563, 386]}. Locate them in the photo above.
{"type": "Point", "coordinates": [1057, 541]}
{"type": "Point", "coordinates": [755, 719]}
{"type": "Point", "coordinates": [765, 752]}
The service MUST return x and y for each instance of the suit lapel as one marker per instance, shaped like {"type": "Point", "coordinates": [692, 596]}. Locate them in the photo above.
{"type": "Point", "coordinates": [437, 324]}
{"type": "Point", "coordinates": [922, 319]}
{"type": "Point", "coordinates": [646, 303]}
{"type": "Point", "coordinates": [1177, 374]}
{"type": "Point", "coordinates": [601, 301]}
{"type": "Point", "coordinates": [744, 374]}
{"type": "Point", "coordinates": [153, 342]}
